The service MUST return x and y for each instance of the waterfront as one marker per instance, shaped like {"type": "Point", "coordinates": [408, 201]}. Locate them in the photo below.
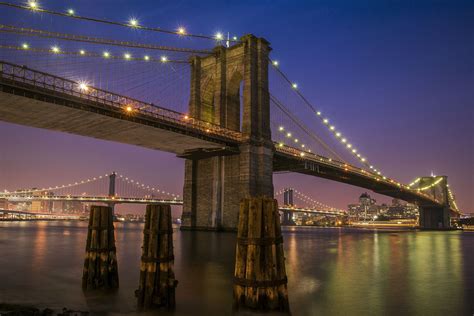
{"type": "Point", "coordinates": [336, 271]}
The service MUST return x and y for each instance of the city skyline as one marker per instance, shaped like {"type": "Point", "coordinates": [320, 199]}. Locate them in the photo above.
{"type": "Point", "coordinates": [392, 90]}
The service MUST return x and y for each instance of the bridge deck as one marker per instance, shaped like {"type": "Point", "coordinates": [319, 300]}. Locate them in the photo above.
{"type": "Point", "coordinates": [288, 159]}
{"type": "Point", "coordinates": [42, 100]}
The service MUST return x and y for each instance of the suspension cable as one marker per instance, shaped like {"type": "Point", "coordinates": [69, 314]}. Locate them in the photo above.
{"type": "Point", "coordinates": [82, 53]}
{"type": "Point", "coordinates": [132, 24]}
{"type": "Point", "coordinates": [300, 124]}
{"type": "Point", "coordinates": [95, 40]}
{"type": "Point", "coordinates": [318, 113]}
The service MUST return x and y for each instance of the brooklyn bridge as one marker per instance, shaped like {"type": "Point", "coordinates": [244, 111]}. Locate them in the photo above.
{"type": "Point", "coordinates": [222, 103]}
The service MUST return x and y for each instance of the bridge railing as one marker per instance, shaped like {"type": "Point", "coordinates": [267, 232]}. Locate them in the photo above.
{"type": "Point", "coordinates": [127, 105]}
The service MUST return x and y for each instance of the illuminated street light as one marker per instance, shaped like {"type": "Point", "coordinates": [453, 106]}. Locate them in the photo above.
{"type": "Point", "coordinates": [133, 22]}
{"type": "Point", "coordinates": [83, 86]}
{"type": "Point", "coordinates": [33, 5]}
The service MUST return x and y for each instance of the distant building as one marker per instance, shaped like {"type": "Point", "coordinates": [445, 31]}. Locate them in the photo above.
{"type": "Point", "coordinates": [367, 209]}
{"type": "Point", "coordinates": [3, 204]}
{"type": "Point", "coordinates": [42, 205]}
{"type": "Point", "coordinates": [73, 207]}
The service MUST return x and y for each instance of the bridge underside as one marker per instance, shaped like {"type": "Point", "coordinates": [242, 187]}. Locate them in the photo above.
{"type": "Point", "coordinates": [72, 115]}
{"type": "Point", "coordinates": [295, 164]}
{"type": "Point", "coordinates": [437, 216]}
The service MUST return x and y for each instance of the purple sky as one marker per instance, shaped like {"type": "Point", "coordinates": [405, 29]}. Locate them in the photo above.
{"type": "Point", "coordinates": [398, 77]}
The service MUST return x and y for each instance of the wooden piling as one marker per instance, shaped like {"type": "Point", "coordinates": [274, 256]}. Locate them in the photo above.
{"type": "Point", "coordinates": [260, 277]}
{"type": "Point", "coordinates": [100, 263]}
{"type": "Point", "coordinates": [157, 281]}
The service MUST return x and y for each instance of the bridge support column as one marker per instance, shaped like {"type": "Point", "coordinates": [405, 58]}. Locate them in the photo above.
{"type": "Point", "coordinates": [435, 216]}
{"type": "Point", "coordinates": [157, 282]}
{"type": "Point", "coordinates": [288, 201]}
{"type": "Point", "coordinates": [432, 217]}
{"type": "Point", "coordinates": [100, 264]}
{"type": "Point", "coordinates": [214, 186]}
{"type": "Point", "coordinates": [112, 178]}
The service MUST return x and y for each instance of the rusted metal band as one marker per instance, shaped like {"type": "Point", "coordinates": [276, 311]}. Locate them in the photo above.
{"type": "Point", "coordinates": [264, 241]}
{"type": "Point", "coordinates": [255, 283]}
{"type": "Point", "coordinates": [157, 260]}
{"type": "Point", "coordinates": [91, 249]}
{"type": "Point", "coordinates": [157, 232]}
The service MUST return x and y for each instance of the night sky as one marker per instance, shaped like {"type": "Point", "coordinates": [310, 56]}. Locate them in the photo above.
{"type": "Point", "coordinates": [397, 76]}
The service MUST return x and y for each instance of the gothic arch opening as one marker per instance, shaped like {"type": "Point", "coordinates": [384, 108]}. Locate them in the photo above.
{"type": "Point", "coordinates": [234, 102]}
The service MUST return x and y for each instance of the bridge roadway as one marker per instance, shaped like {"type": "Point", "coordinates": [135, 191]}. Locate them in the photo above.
{"type": "Point", "coordinates": [39, 214]}
{"type": "Point", "coordinates": [127, 200]}
{"type": "Point", "coordinates": [89, 199]}
{"type": "Point", "coordinates": [33, 98]}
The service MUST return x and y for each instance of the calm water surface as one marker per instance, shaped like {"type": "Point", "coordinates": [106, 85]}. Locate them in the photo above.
{"type": "Point", "coordinates": [330, 271]}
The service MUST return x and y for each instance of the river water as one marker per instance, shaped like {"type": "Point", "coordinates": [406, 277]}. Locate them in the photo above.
{"type": "Point", "coordinates": [331, 271]}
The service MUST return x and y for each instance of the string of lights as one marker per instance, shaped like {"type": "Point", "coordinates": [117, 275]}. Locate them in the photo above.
{"type": "Point", "coordinates": [338, 135]}
{"type": "Point", "coordinates": [294, 140]}
{"type": "Point", "coordinates": [56, 50]}
{"type": "Point", "coordinates": [89, 180]}
{"type": "Point", "coordinates": [145, 187]}
{"type": "Point", "coordinates": [95, 40]}
{"type": "Point", "coordinates": [452, 199]}
{"type": "Point", "coordinates": [332, 129]}
{"type": "Point", "coordinates": [307, 199]}
{"type": "Point", "coordinates": [414, 182]}
{"type": "Point", "coordinates": [430, 185]}
{"type": "Point", "coordinates": [303, 197]}
{"type": "Point", "coordinates": [426, 187]}
{"type": "Point", "coordinates": [132, 22]}
{"type": "Point", "coordinates": [301, 125]}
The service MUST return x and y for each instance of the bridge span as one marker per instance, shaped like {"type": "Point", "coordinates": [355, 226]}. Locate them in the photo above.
{"type": "Point", "coordinates": [223, 162]}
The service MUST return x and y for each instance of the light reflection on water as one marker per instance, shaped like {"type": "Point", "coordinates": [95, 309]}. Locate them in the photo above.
{"type": "Point", "coordinates": [330, 271]}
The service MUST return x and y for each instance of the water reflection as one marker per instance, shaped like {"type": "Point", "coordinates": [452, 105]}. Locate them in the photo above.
{"type": "Point", "coordinates": [330, 271]}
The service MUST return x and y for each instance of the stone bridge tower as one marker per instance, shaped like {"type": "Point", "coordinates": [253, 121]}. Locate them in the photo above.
{"type": "Point", "coordinates": [214, 186]}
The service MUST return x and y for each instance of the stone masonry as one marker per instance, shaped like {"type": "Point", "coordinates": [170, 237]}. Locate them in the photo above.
{"type": "Point", "coordinates": [213, 187]}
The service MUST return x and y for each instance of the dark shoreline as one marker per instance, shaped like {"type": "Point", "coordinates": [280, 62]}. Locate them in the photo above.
{"type": "Point", "coordinates": [28, 310]}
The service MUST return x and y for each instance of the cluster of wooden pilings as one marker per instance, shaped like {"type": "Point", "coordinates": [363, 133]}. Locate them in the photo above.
{"type": "Point", "coordinates": [100, 264]}
{"type": "Point", "coordinates": [157, 281]}
{"type": "Point", "coordinates": [260, 280]}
